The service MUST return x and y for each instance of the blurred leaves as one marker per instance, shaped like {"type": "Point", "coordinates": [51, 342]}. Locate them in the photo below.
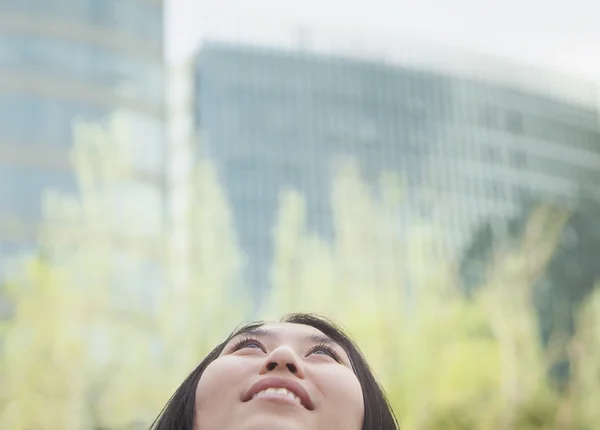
{"type": "Point", "coordinates": [44, 366]}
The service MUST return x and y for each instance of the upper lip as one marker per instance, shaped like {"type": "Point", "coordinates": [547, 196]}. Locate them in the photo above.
{"type": "Point", "coordinates": [278, 382]}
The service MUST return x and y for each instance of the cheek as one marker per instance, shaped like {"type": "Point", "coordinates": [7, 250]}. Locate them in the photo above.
{"type": "Point", "coordinates": [341, 389]}
{"type": "Point", "coordinates": [219, 384]}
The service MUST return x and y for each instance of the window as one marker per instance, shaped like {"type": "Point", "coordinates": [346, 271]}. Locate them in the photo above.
{"type": "Point", "coordinates": [514, 122]}
{"type": "Point", "coordinates": [495, 189]}
{"type": "Point", "coordinates": [10, 52]}
{"type": "Point", "coordinates": [69, 8]}
{"type": "Point", "coordinates": [31, 116]}
{"type": "Point", "coordinates": [9, 193]}
{"type": "Point", "coordinates": [11, 4]}
{"type": "Point", "coordinates": [104, 10]}
{"type": "Point", "coordinates": [524, 194]}
{"type": "Point", "coordinates": [22, 189]}
{"type": "Point", "coordinates": [11, 117]}
{"type": "Point", "coordinates": [518, 159]}
{"type": "Point", "coordinates": [489, 117]}
{"type": "Point", "coordinates": [491, 154]}
{"type": "Point", "coordinates": [425, 209]}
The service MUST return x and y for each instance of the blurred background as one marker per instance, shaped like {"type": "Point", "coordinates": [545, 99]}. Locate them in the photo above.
{"type": "Point", "coordinates": [428, 175]}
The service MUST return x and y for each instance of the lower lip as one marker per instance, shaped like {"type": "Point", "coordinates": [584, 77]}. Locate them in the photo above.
{"type": "Point", "coordinates": [278, 398]}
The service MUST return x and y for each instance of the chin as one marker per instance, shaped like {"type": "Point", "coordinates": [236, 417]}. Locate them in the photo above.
{"type": "Point", "coordinates": [270, 421]}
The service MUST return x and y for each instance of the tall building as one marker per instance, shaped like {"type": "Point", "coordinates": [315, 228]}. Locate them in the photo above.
{"type": "Point", "coordinates": [472, 140]}
{"type": "Point", "coordinates": [62, 61]}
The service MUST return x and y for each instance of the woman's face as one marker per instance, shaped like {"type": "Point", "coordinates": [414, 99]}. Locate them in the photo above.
{"type": "Point", "coordinates": [281, 376]}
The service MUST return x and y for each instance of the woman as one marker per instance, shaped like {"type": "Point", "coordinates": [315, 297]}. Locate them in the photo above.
{"type": "Point", "coordinates": [301, 373]}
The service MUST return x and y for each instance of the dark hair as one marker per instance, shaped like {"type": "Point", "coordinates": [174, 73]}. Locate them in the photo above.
{"type": "Point", "coordinates": [178, 414]}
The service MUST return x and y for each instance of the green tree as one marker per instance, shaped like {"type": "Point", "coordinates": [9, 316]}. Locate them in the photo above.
{"type": "Point", "coordinates": [474, 362]}
{"type": "Point", "coordinates": [85, 342]}
{"type": "Point", "coordinates": [584, 387]}
{"type": "Point", "coordinates": [45, 365]}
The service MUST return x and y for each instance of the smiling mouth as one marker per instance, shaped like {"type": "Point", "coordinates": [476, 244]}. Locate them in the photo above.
{"type": "Point", "coordinates": [279, 389]}
{"type": "Point", "coordinates": [278, 393]}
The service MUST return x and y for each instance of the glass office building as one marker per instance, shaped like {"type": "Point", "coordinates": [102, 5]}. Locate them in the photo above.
{"type": "Point", "coordinates": [469, 148]}
{"type": "Point", "coordinates": [67, 60]}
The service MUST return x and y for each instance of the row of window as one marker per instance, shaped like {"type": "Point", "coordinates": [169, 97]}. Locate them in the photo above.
{"type": "Point", "coordinates": [308, 164]}
{"type": "Point", "coordinates": [259, 184]}
{"type": "Point", "coordinates": [542, 128]}
{"type": "Point", "coordinates": [271, 116]}
{"type": "Point", "coordinates": [261, 84]}
{"type": "Point", "coordinates": [502, 184]}
{"type": "Point", "coordinates": [358, 82]}
{"type": "Point", "coordinates": [304, 119]}
{"type": "Point", "coordinates": [347, 80]}
{"type": "Point", "coordinates": [143, 19]}
{"type": "Point", "coordinates": [88, 63]}
{"type": "Point", "coordinates": [256, 218]}
{"type": "Point", "coordinates": [135, 207]}
{"type": "Point", "coordinates": [21, 190]}
{"type": "Point", "coordinates": [493, 155]}
{"type": "Point", "coordinates": [27, 119]}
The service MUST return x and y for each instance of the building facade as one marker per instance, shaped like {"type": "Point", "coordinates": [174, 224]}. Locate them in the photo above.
{"type": "Point", "coordinates": [469, 148]}
{"type": "Point", "coordinates": [64, 61]}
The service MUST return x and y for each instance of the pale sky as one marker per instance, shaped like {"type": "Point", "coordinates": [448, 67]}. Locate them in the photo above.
{"type": "Point", "coordinates": [558, 35]}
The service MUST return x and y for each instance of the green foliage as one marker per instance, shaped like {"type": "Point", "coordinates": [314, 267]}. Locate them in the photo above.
{"type": "Point", "coordinates": [44, 366]}
{"type": "Point", "coordinates": [452, 419]}
{"type": "Point", "coordinates": [538, 413]}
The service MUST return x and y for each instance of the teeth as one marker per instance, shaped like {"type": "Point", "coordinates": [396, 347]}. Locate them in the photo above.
{"type": "Point", "coordinates": [278, 392]}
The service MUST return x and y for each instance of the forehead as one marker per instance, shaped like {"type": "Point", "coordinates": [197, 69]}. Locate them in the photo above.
{"type": "Point", "coordinates": [287, 332]}
{"type": "Point", "coordinates": [290, 330]}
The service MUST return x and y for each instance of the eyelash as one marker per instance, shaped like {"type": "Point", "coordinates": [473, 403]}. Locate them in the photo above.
{"type": "Point", "coordinates": [328, 350]}
{"type": "Point", "coordinates": [243, 342]}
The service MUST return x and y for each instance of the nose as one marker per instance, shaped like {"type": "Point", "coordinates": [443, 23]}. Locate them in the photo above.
{"type": "Point", "coordinates": [283, 359]}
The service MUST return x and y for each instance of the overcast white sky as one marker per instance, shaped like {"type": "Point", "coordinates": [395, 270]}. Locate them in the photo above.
{"type": "Point", "coordinates": [557, 34]}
